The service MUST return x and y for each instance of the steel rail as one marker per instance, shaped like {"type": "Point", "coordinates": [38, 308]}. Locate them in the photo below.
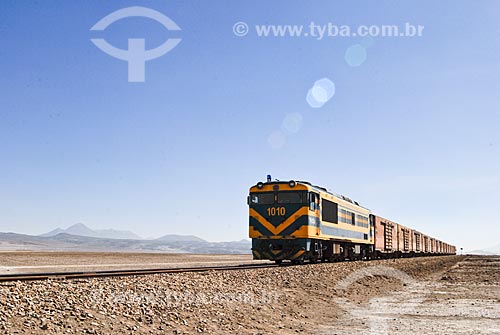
{"type": "Point", "coordinates": [123, 273]}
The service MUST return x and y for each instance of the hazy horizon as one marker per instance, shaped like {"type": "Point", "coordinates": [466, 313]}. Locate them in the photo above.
{"type": "Point", "coordinates": [111, 228]}
{"type": "Point", "coordinates": [485, 248]}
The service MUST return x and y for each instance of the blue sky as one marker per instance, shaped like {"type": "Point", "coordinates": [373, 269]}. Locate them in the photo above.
{"type": "Point", "coordinates": [412, 133]}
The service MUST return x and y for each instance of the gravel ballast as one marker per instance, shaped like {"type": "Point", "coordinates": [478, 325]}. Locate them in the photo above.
{"type": "Point", "coordinates": [290, 299]}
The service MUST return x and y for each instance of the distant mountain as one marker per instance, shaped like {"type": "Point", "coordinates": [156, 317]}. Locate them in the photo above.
{"type": "Point", "coordinates": [67, 242]}
{"type": "Point", "coordinates": [79, 237]}
{"type": "Point", "coordinates": [180, 238]}
{"type": "Point", "coordinates": [481, 252]}
{"type": "Point", "coordinates": [117, 234]}
{"type": "Point", "coordinates": [80, 229]}
{"type": "Point", "coordinates": [495, 249]}
{"type": "Point", "coordinates": [52, 232]}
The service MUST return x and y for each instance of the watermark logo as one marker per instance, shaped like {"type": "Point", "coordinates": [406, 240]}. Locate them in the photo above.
{"type": "Point", "coordinates": [329, 30]}
{"type": "Point", "coordinates": [380, 311]}
{"type": "Point", "coordinates": [240, 29]}
{"type": "Point", "coordinates": [136, 55]}
{"type": "Point", "coordinates": [179, 299]}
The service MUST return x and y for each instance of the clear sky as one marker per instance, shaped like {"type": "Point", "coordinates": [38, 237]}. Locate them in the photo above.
{"type": "Point", "coordinates": [411, 133]}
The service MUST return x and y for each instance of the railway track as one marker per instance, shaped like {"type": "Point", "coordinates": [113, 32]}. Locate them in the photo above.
{"type": "Point", "coordinates": [123, 273]}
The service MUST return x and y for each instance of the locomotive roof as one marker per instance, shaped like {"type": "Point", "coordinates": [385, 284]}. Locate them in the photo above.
{"type": "Point", "coordinates": [323, 189]}
{"type": "Point", "coordinates": [319, 189]}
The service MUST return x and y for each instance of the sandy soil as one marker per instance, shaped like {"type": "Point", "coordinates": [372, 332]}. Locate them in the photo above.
{"type": "Point", "coordinates": [36, 262]}
{"type": "Point", "coordinates": [464, 299]}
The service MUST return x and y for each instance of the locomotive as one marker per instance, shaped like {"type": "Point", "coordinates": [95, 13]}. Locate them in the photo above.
{"type": "Point", "coordinates": [297, 221]}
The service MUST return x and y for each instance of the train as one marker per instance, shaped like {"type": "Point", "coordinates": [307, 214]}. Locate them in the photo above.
{"type": "Point", "coordinates": [300, 222]}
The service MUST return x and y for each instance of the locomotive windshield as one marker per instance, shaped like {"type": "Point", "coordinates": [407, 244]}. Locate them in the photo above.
{"type": "Point", "coordinates": [268, 198]}
{"type": "Point", "coordinates": [262, 198]}
{"type": "Point", "coordinates": [291, 197]}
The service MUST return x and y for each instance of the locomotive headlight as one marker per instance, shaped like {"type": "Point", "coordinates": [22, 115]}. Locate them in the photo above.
{"type": "Point", "coordinates": [260, 184]}
{"type": "Point", "coordinates": [292, 183]}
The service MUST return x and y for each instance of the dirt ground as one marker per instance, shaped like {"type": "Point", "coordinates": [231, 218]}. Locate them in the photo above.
{"type": "Point", "coordinates": [462, 299]}
{"type": "Point", "coordinates": [428, 295]}
{"type": "Point", "coordinates": [36, 262]}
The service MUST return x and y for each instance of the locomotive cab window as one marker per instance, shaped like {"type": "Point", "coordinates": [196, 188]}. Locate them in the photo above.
{"type": "Point", "coordinates": [313, 201]}
{"type": "Point", "coordinates": [291, 197]}
{"type": "Point", "coordinates": [262, 198]}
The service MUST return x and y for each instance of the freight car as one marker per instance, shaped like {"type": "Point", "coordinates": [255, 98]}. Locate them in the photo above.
{"type": "Point", "coordinates": [395, 240]}
{"type": "Point", "coordinates": [298, 221]}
